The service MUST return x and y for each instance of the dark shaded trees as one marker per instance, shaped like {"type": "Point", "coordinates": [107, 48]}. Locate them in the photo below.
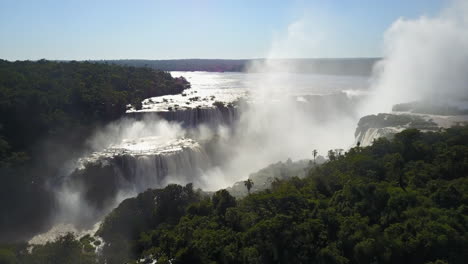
{"type": "Point", "coordinates": [400, 201]}
{"type": "Point", "coordinates": [348, 210]}
{"type": "Point", "coordinates": [248, 184]}
{"type": "Point", "coordinates": [47, 110]}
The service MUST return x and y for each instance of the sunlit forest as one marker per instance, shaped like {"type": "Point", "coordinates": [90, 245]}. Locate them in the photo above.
{"type": "Point", "coordinates": [234, 132]}
{"type": "Point", "coordinates": [397, 201]}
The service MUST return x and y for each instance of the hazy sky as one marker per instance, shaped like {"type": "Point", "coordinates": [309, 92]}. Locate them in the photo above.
{"type": "Point", "coordinates": [172, 29]}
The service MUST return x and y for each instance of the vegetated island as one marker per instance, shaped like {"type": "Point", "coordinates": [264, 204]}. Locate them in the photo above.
{"type": "Point", "coordinates": [48, 109]}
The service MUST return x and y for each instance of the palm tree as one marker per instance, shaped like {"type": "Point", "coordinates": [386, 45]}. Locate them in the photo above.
{"type": "Point", "coordinates": [248, 184]}
{"type": "Point", "coordinates": [339, 152]}
{"type": "Point", "coordinates": [314, 153]}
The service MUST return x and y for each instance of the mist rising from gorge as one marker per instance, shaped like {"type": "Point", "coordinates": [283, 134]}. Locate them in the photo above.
{"type": "Point", "coordinates": [72, 205]}
{"type": "Point", "coordinates": [281, 120]}
{"type": "Point", "coordinates": [424, 59]}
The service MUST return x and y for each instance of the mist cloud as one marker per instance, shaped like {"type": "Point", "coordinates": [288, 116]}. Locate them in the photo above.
{"type": "Point", "coordinates": [424, 59]}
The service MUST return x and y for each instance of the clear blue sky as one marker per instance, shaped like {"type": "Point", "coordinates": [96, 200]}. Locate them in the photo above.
{"type": "Point", "coordinates": [174, 29]}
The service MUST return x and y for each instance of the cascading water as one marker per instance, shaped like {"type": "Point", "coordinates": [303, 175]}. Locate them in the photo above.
{"type": "Point", "coordinates": [193, 117]}
{"type": "Point", "coordinates": [149, 153]}
{"type": "Point", "coordinates": [211, 106]}
{"type": "Point", "coordinates": [386, 125]}
{"type": "Point", "coordinates": [150, 148]}
{"type": "Point", "coordinates": [104, 178]}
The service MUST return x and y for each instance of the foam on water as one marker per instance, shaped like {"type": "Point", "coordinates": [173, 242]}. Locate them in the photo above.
{"type": "Point", "coordinates": [151, 153]}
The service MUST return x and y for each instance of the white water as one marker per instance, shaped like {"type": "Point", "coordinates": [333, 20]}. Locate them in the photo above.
{"type": "Point", "coordinates": [424, 59]}
{"type": "Point", "coordinates": [320, 101]}
{"type": "Point", "coordinates": [151, 153]}
{"type": "Point", "coordinates": [300, 113]}
{"type": "Point", "coordinates": [148, 163]}
{"type": "Point", "coordinates": [367, 133]}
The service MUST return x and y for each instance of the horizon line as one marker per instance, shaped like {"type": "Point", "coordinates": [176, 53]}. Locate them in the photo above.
{"type": "Point", "coordinates": [220, 59]}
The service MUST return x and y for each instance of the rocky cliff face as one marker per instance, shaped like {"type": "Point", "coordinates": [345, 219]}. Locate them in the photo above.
{"type": "Point", "coordinates": [386, 125]}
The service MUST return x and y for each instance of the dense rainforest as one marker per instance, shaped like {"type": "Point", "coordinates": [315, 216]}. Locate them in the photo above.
{"type": "Point", "coordinates": [47, 110]}
{"type": "Point", "coordinates": [403, 200]}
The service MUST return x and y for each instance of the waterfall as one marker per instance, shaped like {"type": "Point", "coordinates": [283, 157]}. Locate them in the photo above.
{"type": "Point", "coordinates": [103, 179]}
{"type": "Point", "coordinates": [140, 172]}
{"type": "Point", "coordinates": [192, 117]}
{"type": "Point", "coordinates": [143, 152]}
{"type": "Point", "coordinates": [388, 124]}
{"type": "Point", "coordinates": [366, 137]}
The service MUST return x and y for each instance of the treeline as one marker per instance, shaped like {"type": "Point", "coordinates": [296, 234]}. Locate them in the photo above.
{"type": "Point", "coordinates": [398, 201]}
{"type": "Point", "coordinates": [352, 66]}
{"type": "Point", "coordinates": [47, 110]}
{"type": "Point", "coordinates": [209, 65]}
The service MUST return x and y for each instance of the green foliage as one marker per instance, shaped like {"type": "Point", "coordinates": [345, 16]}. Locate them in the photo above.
{"type": "Point", "coordinates": [222, 200]}
{"type": "Point", "coordinates": [49, 98]}
{"type": "Point", "coordinates": [65, 249]}
{"type": "Point", "coordinates": [151, 209]}
{"type": "Point", "coordinates": [8, 256]}
{"type": "Point", "coordinates": [47, 109]}
{"type": "Point", "coordinates": [400, 201]}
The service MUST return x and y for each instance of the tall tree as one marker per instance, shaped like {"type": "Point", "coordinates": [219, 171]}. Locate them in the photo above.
{"type": "Point", "coordinates": [248, 184]}
{"type": "Point", "coordinates": [314, 153]}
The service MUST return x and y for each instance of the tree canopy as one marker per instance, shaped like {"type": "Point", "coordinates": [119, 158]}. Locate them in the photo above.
{"type": "Point", "coordinates": [398, 201]}
{"type": "Point", "coordinates": [44, 98]}
{"type": "Point", "coordinates": [47, 110]}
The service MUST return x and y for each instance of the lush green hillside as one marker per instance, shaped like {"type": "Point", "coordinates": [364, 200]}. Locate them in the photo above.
{"type": "Point", "coordinates": [403, 201]}
{"type": "Point", "coordinates": [47, 109]}
{"type": "Point", "coordinates": [399, 201]}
